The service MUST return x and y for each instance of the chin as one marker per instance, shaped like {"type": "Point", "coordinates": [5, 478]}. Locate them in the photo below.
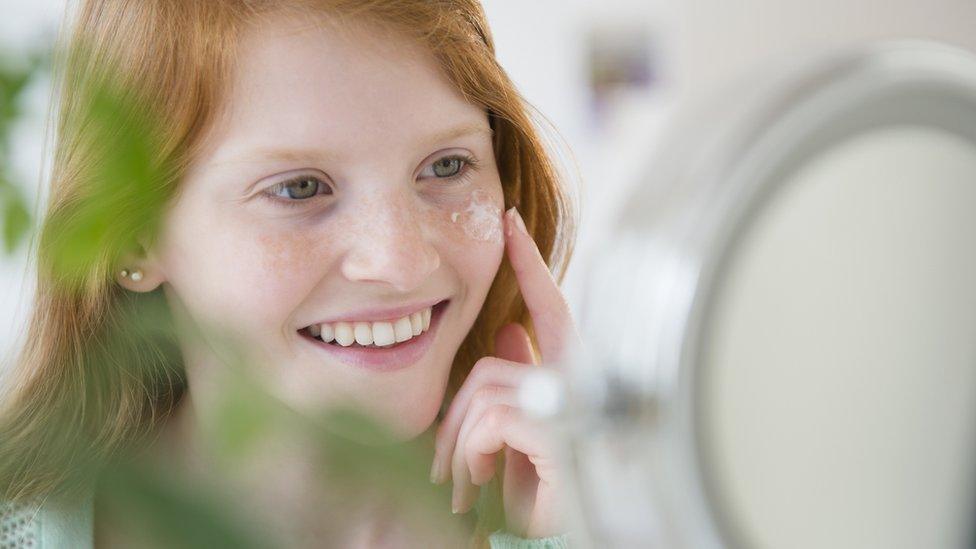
{"type": "Point", "coordinates": [411, 420]}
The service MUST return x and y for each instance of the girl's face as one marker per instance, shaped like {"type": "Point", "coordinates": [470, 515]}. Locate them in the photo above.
{"type": "Point", "coordinates": [348, 183]}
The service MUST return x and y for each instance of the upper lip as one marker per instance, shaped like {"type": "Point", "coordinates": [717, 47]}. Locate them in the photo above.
{"type": "Point", "coordinates": [379, 314]}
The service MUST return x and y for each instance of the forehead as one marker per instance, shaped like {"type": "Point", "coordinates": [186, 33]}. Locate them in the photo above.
{"type": "Point", "coordinates": [300, 84]}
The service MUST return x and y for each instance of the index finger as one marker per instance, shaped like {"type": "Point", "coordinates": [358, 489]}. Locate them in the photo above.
{"type": "Point", "coordinates": [547, 306]}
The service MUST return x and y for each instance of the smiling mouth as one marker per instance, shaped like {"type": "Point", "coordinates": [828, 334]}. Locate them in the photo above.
{"type": "Point", "coordinates": [389, 334]}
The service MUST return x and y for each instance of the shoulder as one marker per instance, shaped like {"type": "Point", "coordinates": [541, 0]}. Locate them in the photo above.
{"type": "Point", "coordinates": [46, 526]}
{"type": "Point", "coordinates": [19, 525]}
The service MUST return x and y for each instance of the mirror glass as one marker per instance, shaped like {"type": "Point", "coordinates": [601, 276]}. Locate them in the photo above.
{"type": "Point", "coordinates": [837, 403]}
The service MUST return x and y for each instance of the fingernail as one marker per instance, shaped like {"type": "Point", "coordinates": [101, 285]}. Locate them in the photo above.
{"type": "Point", "coordinates": [435, 472]}
{"type": "Point", "coordinates": [517, 218]}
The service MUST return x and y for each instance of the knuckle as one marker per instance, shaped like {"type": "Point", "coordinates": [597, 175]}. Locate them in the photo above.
{"type": "Point", "coordinates": [486, 394]}
{"type": "Point", "coordinates": [482, 368]}
{"type": "Point", "coordinates": [483, 363]}
{"type": "Point", "coordinates": [496, 416]}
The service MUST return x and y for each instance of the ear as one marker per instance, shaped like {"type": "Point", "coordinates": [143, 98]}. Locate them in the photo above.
{"type": "Point", "coordinates": [139, 270]}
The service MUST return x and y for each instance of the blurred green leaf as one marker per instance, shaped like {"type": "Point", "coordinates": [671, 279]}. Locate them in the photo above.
{"type": "Point", "coordinates": [360, 453]}
{"type": "Point", "coordinates": [245, 416]}
{"type": "Point", "coordinates": [16, 217]}
{"type": "Point", "coordinates": [166, 511]}
{"type": "Point", "coordinates": [124, 191]}
{"type": "Point", "coordinates": [15, 74]}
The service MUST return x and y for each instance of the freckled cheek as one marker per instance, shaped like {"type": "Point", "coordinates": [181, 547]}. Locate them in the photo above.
{"type": "Point", "coordinates": [470, 232]}
{"type": "Point", "coordinates": [245, 278]}
{"type": "Point", "coordinates": [470, 220]}
{"type": "Point", "coordinates": [287, 259]}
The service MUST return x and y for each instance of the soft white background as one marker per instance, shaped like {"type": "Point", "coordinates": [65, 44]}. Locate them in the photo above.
{"type": "Point", "coordinates": [701, 43]}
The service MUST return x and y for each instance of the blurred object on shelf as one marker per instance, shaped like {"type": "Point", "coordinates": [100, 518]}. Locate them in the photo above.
{"type": "Point", "coordinates": [622, 58]}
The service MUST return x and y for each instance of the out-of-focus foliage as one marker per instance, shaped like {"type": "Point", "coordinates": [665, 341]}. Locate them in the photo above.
{"type": "Point", "coordinates": [122, 190]}
{"type": "Point", "coordinates": [15, 75]}
{"type": "Point", "coordinates": [159, 508]}
{"type": "Point", "coordinates": [357, 462]}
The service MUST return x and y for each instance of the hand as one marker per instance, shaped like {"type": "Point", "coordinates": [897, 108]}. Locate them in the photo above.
{"type": "Point", "coordinates": [484, 418]}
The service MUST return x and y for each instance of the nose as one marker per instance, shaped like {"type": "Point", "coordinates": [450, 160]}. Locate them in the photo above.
{"type": "Point", "coordinates": [390, 245]}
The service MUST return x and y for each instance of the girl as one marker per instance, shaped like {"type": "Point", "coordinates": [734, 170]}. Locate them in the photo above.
{"type": "Point", "coordinates": [334, 175]}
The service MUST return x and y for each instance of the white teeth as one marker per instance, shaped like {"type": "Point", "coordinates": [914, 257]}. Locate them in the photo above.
{"type": "Point", "coordinates": [343, 334]}
{"type": "Point", "coordinates": [328, 333]}
{"type": "Point", "coordinates": [374, 333]}
{"type": "Point", "coordinates": [402, 329]}
{"type": "Point", "coordinates": [383, 333]}
{"type": "Point", "coordinates": [416, 323]}
{"type": "Point", "coordinates": [363, 332]}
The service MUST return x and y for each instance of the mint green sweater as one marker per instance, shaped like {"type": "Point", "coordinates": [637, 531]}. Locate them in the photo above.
{"type": "Point", "coordinates": [55, 528]}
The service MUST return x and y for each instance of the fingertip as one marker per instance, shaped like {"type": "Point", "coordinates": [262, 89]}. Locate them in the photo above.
{"type": "Point", "coordinates": [435, 472]}
{"type": "Point", "coordinates": [460, 503]}
{"type": "Point", "coordinates": [519, 222]}
{"type": "Point", "coordinates": [514, 222]}
{"type": "Point", "coordinates": [482, 476]}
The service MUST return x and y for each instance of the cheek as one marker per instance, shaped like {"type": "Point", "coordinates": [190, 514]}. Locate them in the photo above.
{"type": "Point", "coordinates": [480, 219]}
{"type": "Point", "coordinates": [283, 255]}
{"type": "Point", "coordinates": [241, 276]}
{"type": "Point", "coordinates": [473, 219]}
{"type": "Point", "coordinates": [471, 227]}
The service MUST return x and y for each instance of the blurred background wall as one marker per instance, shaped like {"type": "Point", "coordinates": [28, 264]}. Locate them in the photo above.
{"type": "Point", "coordinates": [606, 74]}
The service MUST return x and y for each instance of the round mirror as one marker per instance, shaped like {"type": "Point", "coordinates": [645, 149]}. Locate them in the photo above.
{"type": "Point", "coordinates": [782, 334]}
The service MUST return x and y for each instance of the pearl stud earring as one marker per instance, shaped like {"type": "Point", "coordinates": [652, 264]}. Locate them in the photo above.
{"type": "Point", "coordinates": [135, 275]}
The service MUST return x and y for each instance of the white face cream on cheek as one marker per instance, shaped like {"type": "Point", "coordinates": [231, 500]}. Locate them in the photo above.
{"type": "Point", "coordinates": [480, 219]}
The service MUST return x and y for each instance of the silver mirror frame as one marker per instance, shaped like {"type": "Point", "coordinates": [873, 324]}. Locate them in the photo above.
{"type": "Point", "coordinates": [638, 460]}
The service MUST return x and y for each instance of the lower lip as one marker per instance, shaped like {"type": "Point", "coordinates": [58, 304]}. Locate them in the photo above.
{"type": "Point", "coordinates": [385, 359]}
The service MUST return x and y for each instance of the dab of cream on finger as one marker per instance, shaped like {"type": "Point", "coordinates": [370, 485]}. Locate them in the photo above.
{"type": "Point", "coordinates": [481, 219]}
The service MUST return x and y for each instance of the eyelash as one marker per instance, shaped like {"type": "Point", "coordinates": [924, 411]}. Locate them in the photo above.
{"type": "Point", "coordinates": [272, 192]}
{"type": "Point", "coordinates": [468, 164]}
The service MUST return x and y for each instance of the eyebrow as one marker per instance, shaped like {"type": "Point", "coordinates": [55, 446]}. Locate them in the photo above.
{"type": "Point", "coordinates": [460, 131]}
{"type": "Point", "coordinates": [304, 155]}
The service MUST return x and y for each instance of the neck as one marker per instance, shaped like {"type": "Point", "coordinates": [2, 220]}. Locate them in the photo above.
{"type": "Point", "coordinates": [179, 441]}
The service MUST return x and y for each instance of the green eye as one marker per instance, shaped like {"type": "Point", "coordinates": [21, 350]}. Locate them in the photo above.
{"type": "Point", "coordinates": [448, 166]}
{"type": "Point", "coordinates": [300, 188]}
{"type": "Point", "coordinates": [453, 167]}
{"type": "Point", "coordinates": [303, 188]}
